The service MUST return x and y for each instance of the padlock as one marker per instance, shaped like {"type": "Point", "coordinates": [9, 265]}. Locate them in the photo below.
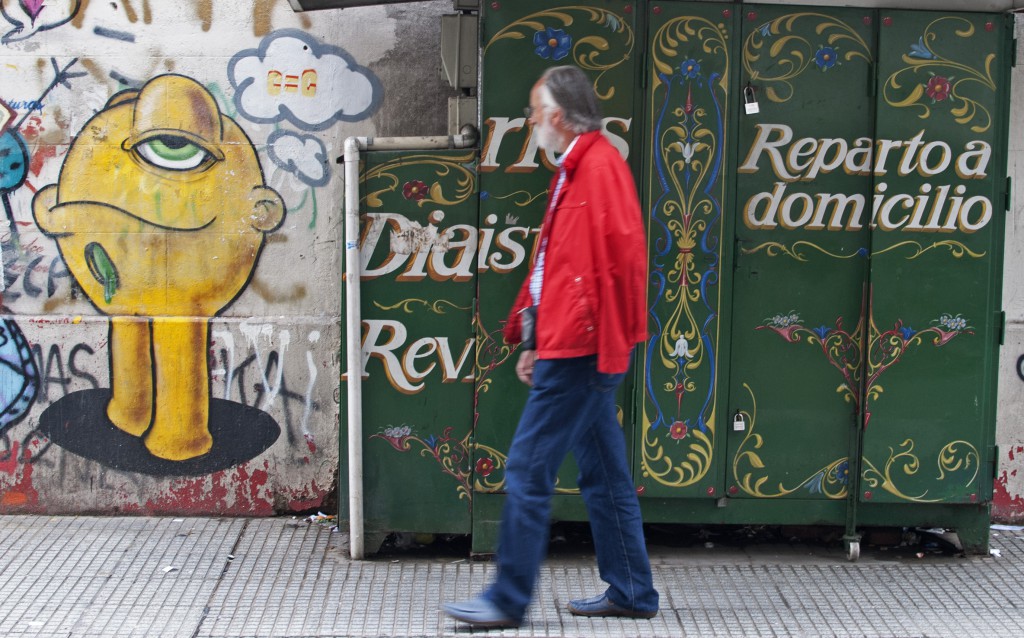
{"type": "Point", "coordinates": [750, 101]}
{"type": "Point", "coordinates": [738, 424]}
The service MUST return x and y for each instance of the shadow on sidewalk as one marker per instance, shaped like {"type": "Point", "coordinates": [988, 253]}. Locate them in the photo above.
{"type": "Point", "coordinates": [573, 539]}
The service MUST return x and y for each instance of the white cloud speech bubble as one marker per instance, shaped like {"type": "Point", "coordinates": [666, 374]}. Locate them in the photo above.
{"type": "Point", "coordinates": [292, 77]}
{"type": "Point", "coordinates": [305, 156]}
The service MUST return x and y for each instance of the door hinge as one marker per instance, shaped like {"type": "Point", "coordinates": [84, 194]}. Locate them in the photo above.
{"type": "Point", "coordinates": [995, 462]}
{"type": "Point", "coordinates": [1002, 327]}
{"type": "Point", "coordinates": [1013, 52]}
{"type": "Point", "coordinates": [1009, 191]}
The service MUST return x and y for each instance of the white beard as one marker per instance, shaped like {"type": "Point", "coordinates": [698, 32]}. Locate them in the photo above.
{"type": "Point", "coordinates": [547, 136]}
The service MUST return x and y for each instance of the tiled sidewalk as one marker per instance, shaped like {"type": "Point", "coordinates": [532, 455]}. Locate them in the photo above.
{"type": "Point", "coordinates": [199, 577]}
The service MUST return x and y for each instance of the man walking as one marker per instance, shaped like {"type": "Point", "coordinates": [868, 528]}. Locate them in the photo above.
{"type": "Point", "coordinates": [578, 316]}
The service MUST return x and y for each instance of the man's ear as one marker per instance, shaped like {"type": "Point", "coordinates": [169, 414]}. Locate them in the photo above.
{"type": "Point", "coordinates": [557, 119]}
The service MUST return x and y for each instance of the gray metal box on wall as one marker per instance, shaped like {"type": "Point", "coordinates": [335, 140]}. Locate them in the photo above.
{"type": "Point", "coordinates": [459, 49]}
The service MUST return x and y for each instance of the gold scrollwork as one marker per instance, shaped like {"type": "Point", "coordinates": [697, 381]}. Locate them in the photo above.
{"type": "Point", "coordinates": [491, 460]}
{"type": "Point", "coordinates": [463, 166]}
{"type": "Point", "coordinates": [665, 45]}
{"type": "Point", "coordinates": [520, 198]}
{"type": "Point", "coordinates": [666, 471]}
{"type": "Point", "coordinates": [774, 249]}
{"type": "Point", "coordinates": [588, 52]}
{"type": "Point", "coordinates": [959, 456]}
{"type": "Point", "coordinates": [751, 474]}
{"type": "Point", "coordinates": [791, 54]}
{"type": "Point", "coordinates": [902, 460]}
{"type": "Point", "coordinates": [955, 457]}
{"type": "Point", "coordinates": [433, 306]}
{"type": "Point", "coordinates": [957, 249]}
{"type": "Point", "coordinates": [904, 88]}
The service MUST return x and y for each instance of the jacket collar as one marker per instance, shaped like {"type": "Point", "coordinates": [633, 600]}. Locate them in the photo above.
{"type": "Point", "coordinates": [583, 144]}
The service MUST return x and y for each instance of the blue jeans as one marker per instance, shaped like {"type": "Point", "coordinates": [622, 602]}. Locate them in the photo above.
{"type": "Point", "coordinates": [571, 407]}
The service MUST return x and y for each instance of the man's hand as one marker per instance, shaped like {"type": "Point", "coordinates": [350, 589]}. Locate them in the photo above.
{"type": "Point", "coordinates": [524, 369]}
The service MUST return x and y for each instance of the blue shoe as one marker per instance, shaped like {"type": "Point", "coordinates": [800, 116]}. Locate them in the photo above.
{"type": "Point", "coordinates": [603, 606]}
{"type": "Point", "coordinates": [479, 613]}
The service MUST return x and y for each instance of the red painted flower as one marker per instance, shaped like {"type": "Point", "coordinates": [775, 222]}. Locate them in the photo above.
{"type": "Point", "coordinates": [678, 430]}
{"type": "Point", "coordinates": [484, 467]}
{"type": "Point", "coordinates": [938, 88]}
{"type": "Point", "coordinates": [414, 190]}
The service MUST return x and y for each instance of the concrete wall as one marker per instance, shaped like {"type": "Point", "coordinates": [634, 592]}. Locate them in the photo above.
{"type": "Point", "coordinates": [172, 241]}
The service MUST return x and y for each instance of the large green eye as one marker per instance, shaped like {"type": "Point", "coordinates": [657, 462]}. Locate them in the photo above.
{"type": "Point", "coordinates": [172, 152]}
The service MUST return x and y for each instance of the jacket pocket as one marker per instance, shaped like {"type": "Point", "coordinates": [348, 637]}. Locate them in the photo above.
{"type": "Point", "coordinates": [582, 303]}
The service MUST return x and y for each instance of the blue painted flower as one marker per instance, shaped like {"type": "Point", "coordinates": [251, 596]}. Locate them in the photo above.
{"type": "Point", "coordinates": [952, 323]}
{"type": "Point", "coordinates": [783, 321]}
{"type": "Point", "coordinates": [907, 332]}
{"type": "Point", "coordinates": [919, 50]}
{"type": "Point", "coordinates": [484, 195]}
{"type": "Point", "coordinates": [821, 331]}
{"type": "Point", "coordinates": [862, 252]}
{"type": "Point", "coordinates": [431, 441]}
{"type": "Point", "coordinates": [843, 472]}
{"type": "Point", "coordinates": [690, 68]}
{"type": "Point", "coordinates": [765, 29]}
{"type": "Point", "coordinates": [552, 44]}
{"type": "Point", "coordinates": [826, 58]}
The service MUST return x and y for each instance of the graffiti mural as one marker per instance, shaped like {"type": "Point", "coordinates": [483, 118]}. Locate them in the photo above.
{"type": "Point", "coordinates": [14, 154]}
{"type": "Point", "coordinates": [13, 161]}
{"type": "Point", "coordinates": [169, 243]}
{"type": "Point", "coordinates": [174, 247]}
{"type": "Point", "coordinates": [28, 17]}
{"type": "Point", "coordinates": [304, 156]}
{"type": "Point", "coordinates": [294, 78]}
{"type": "Point", "coordinates": [20, 381]}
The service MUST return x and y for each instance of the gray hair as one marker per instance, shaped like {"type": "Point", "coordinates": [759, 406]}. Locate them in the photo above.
{"type": "Point", "coordinates": [569, 88]}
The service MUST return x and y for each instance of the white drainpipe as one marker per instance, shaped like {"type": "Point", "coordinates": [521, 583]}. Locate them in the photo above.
{"type": "Point", "coordinates": [353, 318]}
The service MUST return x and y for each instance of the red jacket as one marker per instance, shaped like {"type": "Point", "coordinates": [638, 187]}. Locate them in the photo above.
{"type": "Point", "coordinates": [595, 265]}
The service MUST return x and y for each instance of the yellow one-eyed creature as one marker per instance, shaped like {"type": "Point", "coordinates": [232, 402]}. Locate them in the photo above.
{"type": "Point", "coordinates": [160, 213]}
